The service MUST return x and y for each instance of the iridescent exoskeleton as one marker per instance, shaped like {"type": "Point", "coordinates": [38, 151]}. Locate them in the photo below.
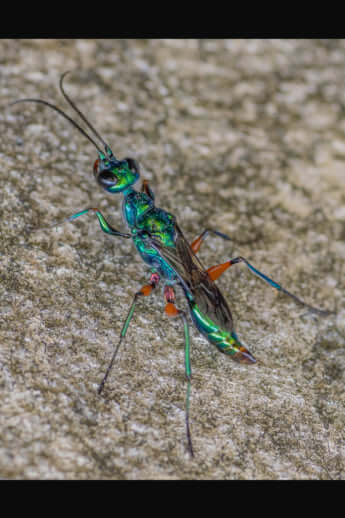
{"type": "Point", "coordinates": [171, 259]}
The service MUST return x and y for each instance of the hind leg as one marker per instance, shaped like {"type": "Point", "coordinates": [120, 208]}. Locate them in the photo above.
{"type": "Point", "coordinates": [172, 311]}
{"type": "Point", "coordinates": [216, 271]}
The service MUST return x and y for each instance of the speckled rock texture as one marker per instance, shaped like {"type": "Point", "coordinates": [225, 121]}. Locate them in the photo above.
{"type": "Point", "coordinates": [247, 137]}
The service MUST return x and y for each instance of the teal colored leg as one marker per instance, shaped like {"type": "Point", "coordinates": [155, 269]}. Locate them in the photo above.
{"type": "Point", "coordinates": [207, 231]}
{"type": "Point", "coordinates": [105, 226]}
{"type": "Point", "coordinates": [172, 311]}
{"type": "Point", "coordinates": [188, 371]}
{"type": "Point", "coordinates": [122, 336]}
{"type": "Point", "coordinates": [145, 290]}
{"type": "Point", "coordinates": [277, 286]}
{"type": "Point", "coordinates": [196, 244]}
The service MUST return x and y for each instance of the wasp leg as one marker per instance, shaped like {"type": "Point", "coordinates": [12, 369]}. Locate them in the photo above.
{"type": "Point", "coordinates": [216, 271]}
{"type": "Point", "coordinates": [144, 291]}
{"type": "Point", "coordinates": [172, 311]}
{"type": "Point", "coordinates": [105, 226]}
{"type": "Point", "coordinates": [147, 190]}
{"type": "Point", "coordinates": [196, 244]}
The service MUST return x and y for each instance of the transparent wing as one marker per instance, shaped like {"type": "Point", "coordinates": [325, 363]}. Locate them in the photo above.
{"type": "Point", "coordinates": [195, 279]}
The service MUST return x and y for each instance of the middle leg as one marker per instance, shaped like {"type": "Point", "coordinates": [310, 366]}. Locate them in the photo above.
{"type": "Point", "coordinates": [144, 291]}
{"type": "Point", "coordinates": [196, 244]}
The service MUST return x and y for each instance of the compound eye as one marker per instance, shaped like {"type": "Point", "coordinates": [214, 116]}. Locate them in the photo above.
{"type": "Point", "coordinates": [106, 179]}
{"type": "Point", "coordinates": [133, 165]}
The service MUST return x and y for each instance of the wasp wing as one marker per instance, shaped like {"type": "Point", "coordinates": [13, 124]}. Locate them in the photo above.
{"type": "Point", "coordinates": [195, 279]}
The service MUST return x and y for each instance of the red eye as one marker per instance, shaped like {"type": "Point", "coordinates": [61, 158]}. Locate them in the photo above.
{"type": "Point", "coordinates": [95, 166]}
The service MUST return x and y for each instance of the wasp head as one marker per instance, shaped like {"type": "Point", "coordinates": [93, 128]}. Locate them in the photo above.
{"type": "Point", "coordinates": [115, 175]}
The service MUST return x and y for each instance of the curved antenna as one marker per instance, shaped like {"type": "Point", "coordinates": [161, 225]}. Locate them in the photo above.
{"type": "Point", "coordinates": [53, 107]}
{"type": "Point", "coordinates": [82, 116]}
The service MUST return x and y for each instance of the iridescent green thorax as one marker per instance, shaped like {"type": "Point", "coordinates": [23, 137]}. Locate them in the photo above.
{"type": "Point", "coordinates": [144, 219]}
{"type": "Point", "coordinates": [136, 206]}
{"type": "Point", "coordinates": [140, 212]}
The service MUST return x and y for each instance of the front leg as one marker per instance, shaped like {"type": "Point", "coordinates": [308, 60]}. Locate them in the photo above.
{"type": "Point", "coordinates": [105, 226]}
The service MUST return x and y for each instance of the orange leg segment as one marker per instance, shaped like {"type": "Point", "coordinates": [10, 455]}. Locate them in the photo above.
{"type": "Point", "coordinates": [170, 308]}
{"type": "Point", "coordinates": [195, 246]}
{"type": "Point", "coordinates": [216, 271]}
{"type": "Point", "coordinates": [147, 289]}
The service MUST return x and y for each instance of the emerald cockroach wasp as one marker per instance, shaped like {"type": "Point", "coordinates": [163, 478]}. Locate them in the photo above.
{"type": "Point", "coordinates": [171, 258]}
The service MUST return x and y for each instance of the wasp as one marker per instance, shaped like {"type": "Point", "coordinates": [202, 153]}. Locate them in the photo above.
{"type": "Point", "coordinates": [172, 260]}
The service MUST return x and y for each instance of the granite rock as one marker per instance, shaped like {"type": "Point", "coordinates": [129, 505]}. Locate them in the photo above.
{"type": "Point", "coordinates": [244, 136]}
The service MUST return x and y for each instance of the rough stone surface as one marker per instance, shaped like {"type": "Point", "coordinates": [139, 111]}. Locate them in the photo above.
{"type": "Point", "coordinates": [245, 136]}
